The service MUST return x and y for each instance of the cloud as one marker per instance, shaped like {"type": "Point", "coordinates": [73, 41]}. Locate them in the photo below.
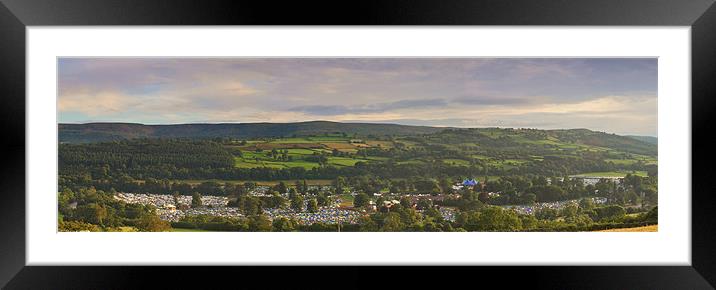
{"type": "Point", "coordinates": [620, 114]}
{"type": "Point", "coordinates": [95, 103]}
{"type": "Point", "coordinates": [439, 91]}
{"type": "Point", "coordinates": [490, 100]}
{"type": "Point", "coordinates": [370, 108]}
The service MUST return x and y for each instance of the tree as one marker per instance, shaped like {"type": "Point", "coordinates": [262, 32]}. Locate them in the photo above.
{"type": "Point", "coordinates": [546, 214]}
{"type": "Point", "coordinates": [77, 226]}
{"type": "Point", "coordinates": [610, 212]}
{"type": "Point", "coordinates": [92, 213]}
{"type": "Point", "coordinates": [297, 202]}
{"type": "Point", "coordinates": [152, 223]}
{"type": "Point", "coordinates": [405, 202]}
{"type": "Point", "coordinates": [529, 198]}
{"type": "Point", "coordinates": [361, 200]}
{"type": "Point", "coordinates": [278, 200]}
{"type": "Point", "coordinates": [579, 220]}
{"type": "Point", "coordinates": [651, 196]}
{"type": "Point", "coordinates": [630, 197]}
{"type": "Point", "coordinates": [424, 203]}
{"type": "Point", "coordinates": [283, 224]}
{"type": "Point", "coordinates": [429, 225]}
{"type": "Point", "coordinates": [250, 205]}
{"type": "Point", "coordinates": [260, 223]}
{"type": "Point", "coordinates": [427, 186]}
{"type": "Point", "coordinates": [546, 193]}
{"type": "Point", "coordinates": [239, 189]}
{"type": "Point", "coordinates": [299, 187]}
{"type": "Point", "coordinates": [569, 211]}
{"type": "Point", "coordinates": [494, 218]}
{"type": "Point", "coordinates": [392, 223]}
{"type": "Point", "coordinates": [196, 200]}
{"type": "Point", "coordinates": [586, 204]}
{"type": "Point", "coordinates": [338, 184]}
{"type": "Point", "coordinates": [529, 222]}
{"type": "Point", "coordinates": [366, 224]}
{"type": "Point", "coordinates": [539, 181]}
{"type": "Point", "coordinates": [484, 197]}
{"type": "Point", "coordinates": [445, 186]}
{"type": "Point", "coordinates": [312, 205]}
{"type": "Point", "coordinates": [175, 196]}
{"type": "Point", "coordinates": [281, 187]}
{"type": "Point", "coordinates": [470, 201]}
{"type": "Point", "coordinates": [322, 199]}
{"type": "Point", "coordinates": [652, 215]}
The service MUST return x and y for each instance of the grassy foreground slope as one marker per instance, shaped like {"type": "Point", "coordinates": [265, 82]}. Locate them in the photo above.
{"type": "Point", "coordinates": [651, 228]}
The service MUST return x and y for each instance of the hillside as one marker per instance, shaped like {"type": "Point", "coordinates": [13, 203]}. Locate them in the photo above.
{"type": "Point", "coordinates": [253, 152]}
{"type": "Point", "coordinates": [99, 132]}
{"type": "Point", "coordinates": [647, 139]}
{"type": "Point", "coordinates": [572, 139]}
{"type": "Point", "coordinates": [490, 137]}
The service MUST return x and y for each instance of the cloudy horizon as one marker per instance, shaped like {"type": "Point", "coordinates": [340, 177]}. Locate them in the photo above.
{"type": "Point", "coordinates": [615, 95]}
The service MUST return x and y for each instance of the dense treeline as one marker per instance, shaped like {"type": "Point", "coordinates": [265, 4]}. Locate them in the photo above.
{"type": "Point", "coordinates": [142, 156]}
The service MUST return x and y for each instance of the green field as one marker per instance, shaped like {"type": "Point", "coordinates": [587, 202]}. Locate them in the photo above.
{"type": "Point", "coordinates": [300, 150]}
{"type": "Point", "coordinates": [344, 161]}
{"type": "Point", "coordinates": [612, 174]}
{"type": "Point", "coordinates": [458, 162]}
{"type": "Point", "coordinates": [346, 199]}
{"type": "Point", "coordinates": [253, 163]}
{"type": "Point", "coordinates": [412, 161]}
{"type": "Point", "coordinates": [622, 161]}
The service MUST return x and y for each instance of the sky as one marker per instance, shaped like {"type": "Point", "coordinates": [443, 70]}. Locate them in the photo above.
{"type": "Point", "coordinates": [615, 95]}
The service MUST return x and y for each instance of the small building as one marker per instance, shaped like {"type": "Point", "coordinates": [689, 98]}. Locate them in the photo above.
{"type": "Point", "coordinates": [372, 206]}
{"type": "Point", "coordinates": [390, 203]}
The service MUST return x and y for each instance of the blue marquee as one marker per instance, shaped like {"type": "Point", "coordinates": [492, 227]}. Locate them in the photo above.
{"type": "Point", "coordinates": [470, 182]}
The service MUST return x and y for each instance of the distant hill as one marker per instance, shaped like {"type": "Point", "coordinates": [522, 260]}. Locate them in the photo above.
{"type": "Point", "coordinates": [601, 139]}
{"type": "Point", "coordinates": [488, 137]}
{"type": "Point", "coordinates": [566, 139]}
{"type": "Point", "coordinates": [99, 132]}
{"type": "Point", "coordinates": [647, 139]}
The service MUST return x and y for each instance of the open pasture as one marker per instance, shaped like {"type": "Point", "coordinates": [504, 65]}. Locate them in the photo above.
{"type": "Point", "coordinates": [613, 174]}
{"type": "Point", "coordinates": [301, 149]}
{"type": "Point", "coordinates": [344, 161]}
{"type": "Point", "coordinates": [457, 162]}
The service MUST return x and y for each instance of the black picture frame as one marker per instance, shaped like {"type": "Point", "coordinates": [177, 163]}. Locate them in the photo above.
{"type": "Point", "coordinates": [15, 15]}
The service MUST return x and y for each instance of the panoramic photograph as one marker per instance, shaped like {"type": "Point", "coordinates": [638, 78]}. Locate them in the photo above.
{"type": "Point", "coordinates": [357, 144]}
